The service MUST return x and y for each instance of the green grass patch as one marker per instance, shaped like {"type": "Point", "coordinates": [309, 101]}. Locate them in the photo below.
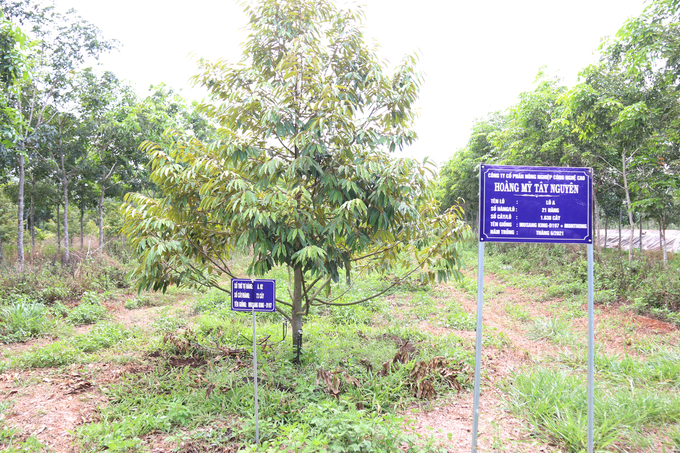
{"type": "Point", "coordinates": [23, 319]}
{"type": "Point", "coordinates": [556, 330]}
{"type": "Point", "coordinates": [344, 395]}
{"type": "Point", "coordinates": [555, 403]}
{"type": "Point", "coordinates": [89, 311]}
{"type": "Point", "coordinates": [102, 336]}
{"type": "Point", "coordinates": [53, 355]}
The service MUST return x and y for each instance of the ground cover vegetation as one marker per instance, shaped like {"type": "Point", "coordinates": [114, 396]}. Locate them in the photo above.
{"type": "Point", "coordinates": [288, 172]}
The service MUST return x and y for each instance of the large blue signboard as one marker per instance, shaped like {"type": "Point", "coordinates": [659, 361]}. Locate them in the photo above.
{"type": "Point", "coordinates": [535, 204]}
{"type": "Point", "coordinates": [249, 295]}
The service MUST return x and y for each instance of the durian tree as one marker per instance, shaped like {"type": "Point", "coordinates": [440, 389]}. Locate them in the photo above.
{"type": "Point", "coordinates": [304, 170]}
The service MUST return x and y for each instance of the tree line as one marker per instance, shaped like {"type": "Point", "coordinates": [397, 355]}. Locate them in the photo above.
{"type": "Point", "coordinates": [70, 133]}
{"type": "Point", "coordinates": [622, 119]}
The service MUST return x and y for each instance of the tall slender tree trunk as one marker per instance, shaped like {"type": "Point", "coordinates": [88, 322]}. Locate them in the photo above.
{"type": "Point", "coordinates": [662, 241]}
{"type": "Point", "coordinates": [64, 180]}
{"type": "Point", "coordinates": [620, 226]}
{"type": "Point", "coordinates": [663, 245]}
{"type": "Point", "coordinates": [297, 307]}
{"type": "Point", "coordinates": [2, 254]}
{"type": "Point", "coordinates": [67, 256]}
{"type": "Point", "coordinates": [630, 211]}
{"type": "Point", "coordinates": [32, 215]}
{"type": "Point", "coordinates": [20, 214]}
{"type": "Point", "coordinates": [58, 234]}
{"type": "Point", "coordinates": [82, 215]}
{"type": "Point", "coordinates": [606, 226]}
{"type": "Point", "coordinates": [597, 223]}
{"type": "Point", "coordinates": [101, 222]}
{"type": "Point", "coordinates": [641, 234]}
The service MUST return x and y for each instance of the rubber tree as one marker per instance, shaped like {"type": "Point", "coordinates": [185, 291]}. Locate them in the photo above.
{"type": "Point", "coordinates": [302, 173]}
{"type": "Point", "coordinates": [62, 43]}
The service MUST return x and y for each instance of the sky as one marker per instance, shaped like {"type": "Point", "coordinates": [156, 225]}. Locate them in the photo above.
{"type": "Point", "coordinates": [476, 56]}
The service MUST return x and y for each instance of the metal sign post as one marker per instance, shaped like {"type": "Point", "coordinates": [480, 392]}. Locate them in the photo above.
{"type": "Point", "coordinates": [257, 418]}
{"type": "Point", "coordinates": [535, 204]}
{"type": "Point", "coordinates": [478, 349]}
{"type": "Point", "coordinates": [254, 296]}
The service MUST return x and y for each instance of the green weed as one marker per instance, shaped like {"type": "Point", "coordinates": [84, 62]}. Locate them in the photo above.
{"type": "Point", "coordinates": [11, 443]}
{"type": "Point", "coordinates": [89, 311]}
{"type": "Point", "coordinates": [22, 320]}
{"type": "Point", "coordinates": [86, 314]}
{"type": "Point", "coordinates": [555, 403]}
{"type": "Point", "coordinates": [460, 320]}
{"type": "Point", "coordinates": [52, 355]}
{"type": "Point", "coordinates": [518, 311]}
{"type": "Point", "coordinates": [141, 301]}
{"type": "Point", "coordinates": [102, 336]}
{"type": "Point", "coordinates": [556, 330]}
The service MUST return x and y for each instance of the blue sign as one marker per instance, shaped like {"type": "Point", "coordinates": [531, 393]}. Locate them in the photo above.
{"type": "Point", "coordinates": [535, 204]}
{"type": "Point", "coordinates": [249, 295]}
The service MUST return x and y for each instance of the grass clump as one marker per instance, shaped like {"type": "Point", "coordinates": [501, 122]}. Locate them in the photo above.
{"type": "Point", "coordinates": [141, 301]}
{"type": "Point", "coordinates": [556, 330]}
{"type": "Point", "coordinates": [461, 320]}
{"type": "Point", "coordinates": [89, 311]}
{"type": "Point", "coordinates": [555, 403]}
{"type": "Point", "coordinates": [23, 319]}
{"type": "Point", "coordinates": [102, 336]}
{"type": "Point", "coordinates": [50, 356]}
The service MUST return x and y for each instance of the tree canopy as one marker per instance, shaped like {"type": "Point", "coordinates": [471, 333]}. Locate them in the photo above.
{"type": "Point", "coordinates": [302, 171]}
{"type": "Point", "coordinates": [621, 118]}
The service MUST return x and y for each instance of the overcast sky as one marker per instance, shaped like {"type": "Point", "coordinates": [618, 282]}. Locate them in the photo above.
{"type": "Point", "coordinates": [476, 56]}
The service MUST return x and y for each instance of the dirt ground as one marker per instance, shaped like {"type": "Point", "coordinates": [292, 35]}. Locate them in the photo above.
{"type": "Point", "coordinates": [50, 404]}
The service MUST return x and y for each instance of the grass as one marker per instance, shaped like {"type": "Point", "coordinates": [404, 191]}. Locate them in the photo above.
{"type": "Point", "coordinates": [23, 319]}
{"type": "Point", "coordinates": [191, 368]}
{"type": "Point", "coordinates": [556, 330]}
{"type": "Point", "coordinates": [102, 336]}
{"type": "Point", "coordinates": [554, 402]}
{"type": "Point", "coordinates": [295, 402]}
{"type": "Point", "coordinates": [345, 394]}
{"type": "Point", "coordinates": [89, 311]}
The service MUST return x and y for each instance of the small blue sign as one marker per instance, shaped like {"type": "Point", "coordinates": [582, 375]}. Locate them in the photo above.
{"type": "Point", "coordinates": [249, 295]}
{"type": "Point", "coordinates": [535, 204]}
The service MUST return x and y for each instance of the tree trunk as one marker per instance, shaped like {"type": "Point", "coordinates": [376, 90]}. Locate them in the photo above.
{"type": "Point", "coordinates": [620, 226]}
{"type": "Point", "coordinates": [640, 234]}
{"type": "Point", "coordinates": [32, 215]}
{"type": "Point", "coordinates": [348, 274]}
{"type": "Point", "coordinates": [662, 238]}
{"type": "Point", "coordinates": [82, 214]}
{"type": "Point", "coordinates": [58, 234]}
{"type": "Point", "coordinates": [597, 224]}
{"type": "Point", "coordinates": [297, 307]}
{"type": "Point", "coordinates": [66, 238]}
{"type": "Point", "coordinates": [663, 245]}
{"type": "Point", "coordinates": [2, 254]}
{"type": "Point", "coordinates": [64, 181]}
{"type": "Point", "coordinates": [20, 215]}
{"type": "Point", "coordinates": [630, 211]}
{"type": "Point", "coordinates": [101, 223]}
{"type": "Point", "coordinates": [606, 227]}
